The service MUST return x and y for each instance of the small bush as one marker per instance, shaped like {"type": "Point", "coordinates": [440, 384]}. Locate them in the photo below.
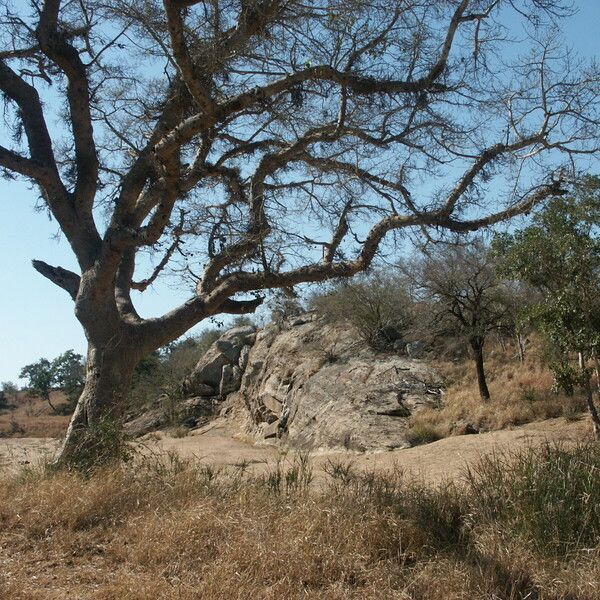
{"type": "Point", "coordinates": [422, 433]}
{"type": "Point", "coordinates": [377, 306]}
{"type": "Point", "coordinates": [528, 395]}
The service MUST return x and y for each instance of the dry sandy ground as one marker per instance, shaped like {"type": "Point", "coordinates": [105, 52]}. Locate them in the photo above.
{"type": "Point", "coordinates": [213, 445]}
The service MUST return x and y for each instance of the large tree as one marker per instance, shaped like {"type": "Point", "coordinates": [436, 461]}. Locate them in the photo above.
{"type": "Point", "coordinates": [257, 144]}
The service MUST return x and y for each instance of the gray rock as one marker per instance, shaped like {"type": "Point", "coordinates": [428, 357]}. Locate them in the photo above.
{"type": "Point", "coordinates": [399, 346]}
{"type": "Point", "coordinates": [291, 393]}
{"type": "Point", "coordinates": [221, 360]}
{"type": "Point", "coordinates": [150, 420]}
{"type": "Point", "coordinates": [203, 389]}
{"type": "Point", "coordinates": [207, 372]}
{"type": "Point", "coordinates": [415, 349]}
{"type": "Point", "coordinates": [271, 430]}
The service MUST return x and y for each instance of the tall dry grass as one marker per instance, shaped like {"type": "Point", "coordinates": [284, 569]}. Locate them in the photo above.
{"type": "Point", "coordinates": [29, 416]}
{"type": "Point", "coordinates": [183, 531]}
{"type": "Point", "coordinates": [520, 393]}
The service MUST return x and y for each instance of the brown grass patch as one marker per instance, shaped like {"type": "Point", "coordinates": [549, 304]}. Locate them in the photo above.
{"type": "Point", "coordinates": [33, 417]}
{"type": "Point", "coordinates": [520, 393]}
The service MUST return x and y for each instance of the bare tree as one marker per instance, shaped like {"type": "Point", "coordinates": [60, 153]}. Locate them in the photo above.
{"type": "Point", "coordinates": [255, 144]}
{"type": "Point", "coordinates": [463, 297]}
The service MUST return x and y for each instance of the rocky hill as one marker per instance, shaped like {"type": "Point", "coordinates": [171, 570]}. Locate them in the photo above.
{"type": "Point", "coordinates": [304, 383]}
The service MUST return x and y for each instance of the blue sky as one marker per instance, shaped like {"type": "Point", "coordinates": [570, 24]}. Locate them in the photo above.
{"type": "Point", "coordinates": [36, 317]}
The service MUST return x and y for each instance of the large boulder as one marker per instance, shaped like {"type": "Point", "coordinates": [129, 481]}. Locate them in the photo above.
{"type": "Point", "coordinates": [218, 372]}
{"type": "Point", "coordinates": [313, 385]}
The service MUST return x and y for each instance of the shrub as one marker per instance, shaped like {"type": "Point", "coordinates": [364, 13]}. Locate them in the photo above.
{"type": "Point", "coordinates": [422, 433]}
{"type": "Point", "coordinates": [378, 306]}
{"type": "Point", "coordinates": [162, 371]}
{"type": "Point", "coordinates": [549, 495]}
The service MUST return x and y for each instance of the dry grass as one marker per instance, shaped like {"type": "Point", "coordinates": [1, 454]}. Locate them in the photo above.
{"type": "Point", "coordinates": [187, 532]}
{"type": "Point", "coordinates": [33, 417]}
{"type": "Point", "coordinates": [520, 393]}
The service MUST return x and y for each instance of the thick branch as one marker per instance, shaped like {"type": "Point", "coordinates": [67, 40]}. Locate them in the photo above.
{"type": "Point", "coordinates": [55, 45]}
{"type": "Point", "coordinates": [188, 70]}
{"type": "Point", "coordinates": [67, 280]}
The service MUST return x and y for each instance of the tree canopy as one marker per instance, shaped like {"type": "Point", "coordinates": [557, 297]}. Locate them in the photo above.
{"type": "Point", "coordinates": [559, 253]}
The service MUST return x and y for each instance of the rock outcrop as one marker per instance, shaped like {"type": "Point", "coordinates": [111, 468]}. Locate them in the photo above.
{"type": "Point", "coordinates": [308, 384]}
{"type": "Point", "coordinates": [302, 383]}
{"type": "Point", "coordinates": [219, 372]}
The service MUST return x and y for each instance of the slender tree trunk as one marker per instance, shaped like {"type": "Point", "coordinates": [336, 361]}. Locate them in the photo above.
{"type": "Point", "coordinates": [596, 369]}
{"type": "Point", "coordinates": [94, 435]}
{"type": "Point", "coordinates": [589, 396]}
{"type": "Point", "coordinates": [521, 346]}
{"type": "Point", "coordinates": [477, 347]}
{"type": "Point", "coordinates": [47, 398]}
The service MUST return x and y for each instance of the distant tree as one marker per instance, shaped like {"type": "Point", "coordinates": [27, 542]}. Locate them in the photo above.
{"type": "Point", "coordinates": [559, 254]}
{"type": "Point", "coordinates": [66, 372]}
{"type": "Point", "coordinates": [69, 374]}
{"type": "Point", "coordinates": [462, 297]}
{"type": "Point", "coordinates": [9, 388]}
{"type": "Point", "coordinates": [40, 378]}
{"type": "Point", "coordinates": [519, 298]}
{"type": "Point", "coordinates": [8, 392]}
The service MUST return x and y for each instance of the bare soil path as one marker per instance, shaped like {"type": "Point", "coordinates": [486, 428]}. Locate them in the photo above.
{"type": "Point", "coordinates": [214, 445]}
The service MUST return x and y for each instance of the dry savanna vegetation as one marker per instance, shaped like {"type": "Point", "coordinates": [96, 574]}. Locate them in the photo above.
{"type": "Point", "coordinates": [520, 393]}
{"type": "Point", "coordinates": [515, 526]}
{"type": "Point", "coordinates": [29, 416]}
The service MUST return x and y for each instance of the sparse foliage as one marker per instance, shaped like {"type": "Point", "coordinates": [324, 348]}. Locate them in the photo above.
{"type": "Point", "coordinates": [461, 296]}
{"type": "Point", "coordinates": [378, 306]}
{"type": "Point", "coordinates": [7, 391]}
{"type": "Point", "coordinates": [163, 371]}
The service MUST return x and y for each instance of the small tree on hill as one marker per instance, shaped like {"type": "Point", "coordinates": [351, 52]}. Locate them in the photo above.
{"type": "Point", "coordinates": [66, 372]}
{"type": "Point", "coordinates": [9, 391]}
{"type": "Point", "coordinates": [559, 254]}
{"type": "Point", "coordinates": [40, 379]}
{"type": "Point", "coordinates": [463, 297]}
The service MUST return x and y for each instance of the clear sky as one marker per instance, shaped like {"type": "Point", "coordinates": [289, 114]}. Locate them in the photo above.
{"type": "Point", "coordinates": [36, 317]}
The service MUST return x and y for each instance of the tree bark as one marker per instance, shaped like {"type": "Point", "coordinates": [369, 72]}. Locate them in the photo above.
{"type": "Point", "coordinates": [596, 369]}
{"type": "Point", "coordinates": [94, 436]}
{"type": "Point", "coordinates": [477, 348]}
{"type": "Point", "coordinates": [521, 345]}
{"type": "Point", "coordinates": [589, 396]}
{"type": "Point", "coordinates": [47, 398]}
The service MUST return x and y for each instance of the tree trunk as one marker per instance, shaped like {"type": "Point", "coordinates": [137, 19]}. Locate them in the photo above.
{"type": "Point", "coordinates": [589, 396]}
{"type": "Point", "coordinates": [47, 399]}
{"type": "Point", "coordinates": [596, 369]}
{"type": "Point", "coordinates": [477, 347]}
{"type": "Point", "coordinates": [521, 345]}
{"type": "Point", "coordinates": [94, 435]}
